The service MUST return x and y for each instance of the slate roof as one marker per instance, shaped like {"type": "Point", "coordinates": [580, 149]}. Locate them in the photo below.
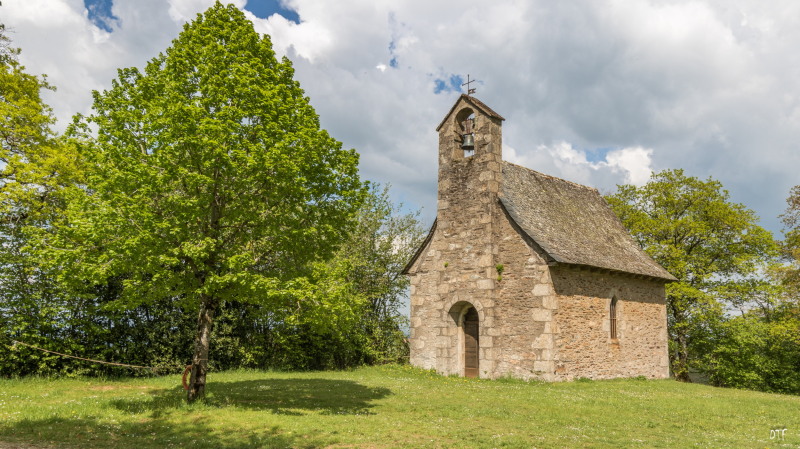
{"type": "Point", "coordinates": [572, 223]}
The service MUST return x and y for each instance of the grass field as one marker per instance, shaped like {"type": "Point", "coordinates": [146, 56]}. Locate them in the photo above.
{"type": "Point", "coordinates": [388, 407]}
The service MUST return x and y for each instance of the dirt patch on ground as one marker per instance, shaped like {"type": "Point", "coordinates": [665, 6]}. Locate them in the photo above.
{"type": "Point", "coordinates": [117, 387]}
{"type": "Point", "coordinates": [4, 445]}
{"type": "Point", "coordinates": [104, 388]}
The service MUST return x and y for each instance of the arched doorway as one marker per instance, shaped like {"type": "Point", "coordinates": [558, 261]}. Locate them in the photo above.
{"type": "Point", "coordinates": [471, 343]}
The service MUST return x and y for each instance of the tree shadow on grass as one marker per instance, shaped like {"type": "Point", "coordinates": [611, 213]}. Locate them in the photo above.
{"type": "Point", "coordinates": [160, 418]}
{"type": "Point", "coordinates": [145, 434]}
{"type": "Point", "coordinates": [280, 396]}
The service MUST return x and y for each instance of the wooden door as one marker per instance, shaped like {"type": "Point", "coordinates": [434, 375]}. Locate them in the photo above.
{"type": "Point", "coordinates": [471, 343]}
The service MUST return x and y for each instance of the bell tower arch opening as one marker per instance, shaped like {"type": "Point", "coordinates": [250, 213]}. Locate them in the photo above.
{"type": "Point", "coordinates": [465, 124]}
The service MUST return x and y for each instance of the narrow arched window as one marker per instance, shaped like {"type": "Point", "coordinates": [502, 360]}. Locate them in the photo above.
{"type": "Point", "coordinates": [612, 318]}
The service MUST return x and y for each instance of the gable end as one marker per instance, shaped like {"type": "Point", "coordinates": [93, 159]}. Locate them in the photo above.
{"type": "Point", "coordinates": [474, 102]}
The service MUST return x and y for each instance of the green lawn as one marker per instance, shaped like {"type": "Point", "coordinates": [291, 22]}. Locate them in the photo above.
{"type": "Point", "coordinates": [387, 407]}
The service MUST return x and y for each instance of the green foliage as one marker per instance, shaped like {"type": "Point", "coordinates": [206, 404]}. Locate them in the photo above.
{"type": "Point", "coordinates": [150, 335]}
{"type": "Point", "coordinates": [712, 245]}
{"type": "Point", "coordinates": [691, 227]}
{"type": "Point", "coordinates": [383, 241]}
{"type": "Point", "coordinates": [354, 317]}
{"type": "Point", "coordinates": [760, 349]}
{"type": "Point", "coordinates": [750, 352]}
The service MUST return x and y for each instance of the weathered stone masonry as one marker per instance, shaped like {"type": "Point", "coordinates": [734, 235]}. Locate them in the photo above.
{"type": "Point", "coordinates": [540, 260]}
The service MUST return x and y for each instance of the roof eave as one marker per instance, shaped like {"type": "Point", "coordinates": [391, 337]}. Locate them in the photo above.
{"type": "Point", "coordinates": [592, 268]}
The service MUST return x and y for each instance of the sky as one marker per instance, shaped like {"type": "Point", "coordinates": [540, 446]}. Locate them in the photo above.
{"type": "Point", "coordinates": [599, 92]}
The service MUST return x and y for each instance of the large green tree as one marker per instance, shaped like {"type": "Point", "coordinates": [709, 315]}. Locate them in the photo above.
{"type": "Point", "coordinates": [209, 181]}
{"type": "Point", "coordinates": [712, 245]}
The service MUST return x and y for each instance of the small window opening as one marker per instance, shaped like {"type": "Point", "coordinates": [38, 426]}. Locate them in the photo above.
{"type": "Point", "coordinates": [612, 318]}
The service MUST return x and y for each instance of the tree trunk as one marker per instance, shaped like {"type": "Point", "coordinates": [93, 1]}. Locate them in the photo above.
{"type": "Point", "coordinates": [681, 365]}
{"type": "Point", "coordinates": [678, 329]}
{"type": "Point", "coordinates": [197, 383]}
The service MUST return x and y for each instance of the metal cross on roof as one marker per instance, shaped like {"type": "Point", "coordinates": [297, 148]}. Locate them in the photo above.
{"type": "Point", "coordinates": [470, 90]}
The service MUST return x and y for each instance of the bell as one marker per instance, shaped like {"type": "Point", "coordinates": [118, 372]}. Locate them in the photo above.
{"type": "Point", "coordinates": [468, 142]}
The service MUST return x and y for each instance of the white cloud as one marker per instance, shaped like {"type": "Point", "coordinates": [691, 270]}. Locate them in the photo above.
{"type": "Point", "coordinates": [634, 161]}
{"type": "Point", "coordinates": [186, 10]}
{"type": "Point", "coordinates": [308, 39]}
{"type": "Point", "coordinates": [632, 165]}
{"type": "Point", "coordinates": [710, 86]}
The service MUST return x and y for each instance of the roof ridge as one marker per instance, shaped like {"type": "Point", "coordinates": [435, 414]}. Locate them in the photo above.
{"type": "Point", "coordinates": [552, 177]}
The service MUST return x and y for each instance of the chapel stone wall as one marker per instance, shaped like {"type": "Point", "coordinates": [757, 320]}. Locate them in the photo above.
{"type": "Point", "coordinates": [523, 335]}
{"type": "Point", "coordinates": [584, 345]}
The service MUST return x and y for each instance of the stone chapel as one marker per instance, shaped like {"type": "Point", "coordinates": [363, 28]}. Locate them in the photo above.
{"type": "Point", "coordinates": [527, 275]}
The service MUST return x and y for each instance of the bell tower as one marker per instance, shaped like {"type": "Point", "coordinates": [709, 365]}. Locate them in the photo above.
{"type": "Point", "coordinates": [464, 246]}
{"type": "Point", "coordinates": [470, 155]}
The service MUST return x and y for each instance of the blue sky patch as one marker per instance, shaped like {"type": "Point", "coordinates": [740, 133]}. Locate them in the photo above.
{"type": "Point", "coordinates": [595, 155]}
{"type": "Point", "coordinates": [100, 13]}
{"type": "Point", "coordinates": [393, 60]}
{"type": "Point", "coordinates": [452, 84]}
{"type": "Point", "coordinates": [265, 8]}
